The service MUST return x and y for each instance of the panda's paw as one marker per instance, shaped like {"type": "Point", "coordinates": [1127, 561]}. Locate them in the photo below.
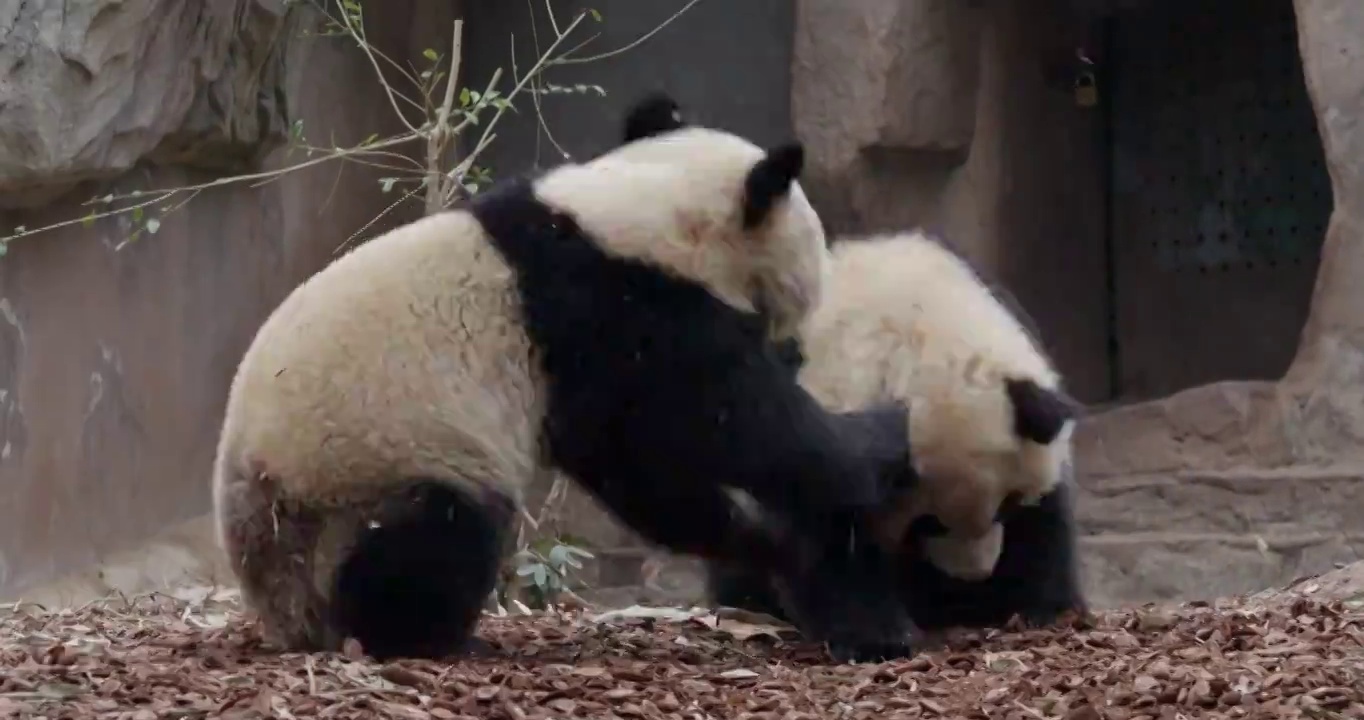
{"type": "Point", "coordinates": [874, 651]}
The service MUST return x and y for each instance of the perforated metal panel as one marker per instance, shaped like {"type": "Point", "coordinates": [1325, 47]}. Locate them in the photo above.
{"type": "Point", "coordinates": [1221, 195]}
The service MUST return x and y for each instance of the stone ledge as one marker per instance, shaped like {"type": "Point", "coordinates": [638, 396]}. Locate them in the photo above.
{"type": "Point", "coordinates": [1295, 500]}
{"type": "Point", "coordinates": [1128, 568]}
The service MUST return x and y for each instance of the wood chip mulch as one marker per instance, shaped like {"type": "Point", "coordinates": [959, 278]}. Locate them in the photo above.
{"type": "Point", "coordinates": [170, 657]}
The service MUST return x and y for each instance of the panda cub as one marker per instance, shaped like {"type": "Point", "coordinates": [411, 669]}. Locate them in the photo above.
{"type": "Point", "coordinates": [988, 531]}
{"type": "Point", "coordinates": [611, 320]}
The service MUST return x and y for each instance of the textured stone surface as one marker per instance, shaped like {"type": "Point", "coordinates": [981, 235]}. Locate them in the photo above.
{"type": "Point", "coordinates": [1266, 502]}
{"type": "Point", "coordinates": [909, 70]}
{"type": "Point", "coordinates": [88, 89]}
{"type": "Point", "coordinates": [1122, 569]}
{"type": "Point", "coordinates": [1327, 379]}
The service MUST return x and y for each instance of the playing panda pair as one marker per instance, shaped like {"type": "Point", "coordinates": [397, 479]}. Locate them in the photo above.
{"type": "Point", "coordinates": [616, 320]}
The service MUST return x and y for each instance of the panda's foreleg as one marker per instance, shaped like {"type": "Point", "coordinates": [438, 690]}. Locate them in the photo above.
{"type": "Point", "coordinates": [697, 519]}
{"type": "Point", "coordinates": [835, 585]}
{"type": "Point", "coordinates": [847, 596]}
{"type": "Point", "coordinates": [1037, 575]}
{"type": "Point", "coordinates": [736, 585]}
{"type": "Point", "coordinates": [414, 581]}
{"type": "Point", "coordinates": [811, 465]}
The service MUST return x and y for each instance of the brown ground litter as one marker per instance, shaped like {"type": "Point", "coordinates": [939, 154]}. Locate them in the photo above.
{"type": "Point", "coordinates": [195, 656]}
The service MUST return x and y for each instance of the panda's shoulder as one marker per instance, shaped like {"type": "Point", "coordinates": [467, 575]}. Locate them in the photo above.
{"type": "Point", "coordinates": [955, 302]}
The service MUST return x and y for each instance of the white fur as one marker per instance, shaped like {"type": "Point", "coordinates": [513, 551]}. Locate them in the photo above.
{"type": "Point", "coordinates": [785, 261]}
{"type": "Point", "coordinates": [905, 319]}
{"type": "Point", "coordinates": [407, 356]}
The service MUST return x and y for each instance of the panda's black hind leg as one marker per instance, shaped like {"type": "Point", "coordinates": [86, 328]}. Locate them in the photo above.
{"type": "Point", "coordinates": [415, 582]}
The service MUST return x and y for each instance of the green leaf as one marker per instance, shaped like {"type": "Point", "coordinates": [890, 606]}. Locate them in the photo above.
{"type": "Point", "coordinates": [464, 97]}
{"type": "Point", "coordinates": [430, 54]}
{"type": "Point", "coordinates": [386, 184]}
{"type": "Point", "coordinates": [153, 225]}
{"type": "Point", "coordinates": [595, 15]}
{"type": "Point", "coordinates": [89, 220]}
{"type": "Point", "coordinates": [137, 214]}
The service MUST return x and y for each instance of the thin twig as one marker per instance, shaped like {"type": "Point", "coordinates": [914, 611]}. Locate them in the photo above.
{"type": "Point", "coordinates": [367, 49]}
{"type": "Point", "coordinates": [631, 46]}
{"type": "Point", "coordinates": [545, 60]}
{"type": "Point", "coordinates": [435, 142]}
{"type": "Point", "coordinates": [338, 154]}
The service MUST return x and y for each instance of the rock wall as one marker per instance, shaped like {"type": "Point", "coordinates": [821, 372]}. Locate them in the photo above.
{"type": "Point", "coordinates": [114, 363]}
{"type": "Point", "coordinates": [1244, 484]}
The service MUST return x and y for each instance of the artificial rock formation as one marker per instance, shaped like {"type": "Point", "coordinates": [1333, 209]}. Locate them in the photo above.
{"type": "Point", "coordinates": [92, 88]}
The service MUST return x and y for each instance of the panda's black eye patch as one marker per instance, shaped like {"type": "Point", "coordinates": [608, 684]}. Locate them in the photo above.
{"type": "Point", "coordinates": [927, 526]}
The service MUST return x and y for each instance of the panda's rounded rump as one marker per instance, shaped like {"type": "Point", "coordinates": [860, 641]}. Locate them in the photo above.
{"type": "Point", "coordinates": [404, 356]}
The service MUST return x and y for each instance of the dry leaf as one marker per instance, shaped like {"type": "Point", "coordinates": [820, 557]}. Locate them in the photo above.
{"type": "Point", "coordinates": [166, 657]}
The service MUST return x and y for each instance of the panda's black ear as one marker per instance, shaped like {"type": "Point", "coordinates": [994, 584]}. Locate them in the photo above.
{"type": "Point", "coordinates": [654, 114]}
{"type": "Point", "coordinates": [770, 180]}
{"type": "Point", "coordinates": [1039, 413]}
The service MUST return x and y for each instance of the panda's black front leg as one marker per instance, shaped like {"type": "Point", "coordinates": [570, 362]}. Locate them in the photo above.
{"type": "Point", "coordinates": [847, 597]}
{"type": "Point", "coordinates": [834, 591]}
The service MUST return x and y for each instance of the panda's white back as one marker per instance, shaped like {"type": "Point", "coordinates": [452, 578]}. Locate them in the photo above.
{"type": "Point", "coordinates": [318, 405]}
{"type": "Point", "coordinates": [906, 297]}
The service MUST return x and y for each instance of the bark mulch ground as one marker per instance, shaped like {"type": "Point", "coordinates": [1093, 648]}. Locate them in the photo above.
{"type": "Point", "coordinates": [195, 656]}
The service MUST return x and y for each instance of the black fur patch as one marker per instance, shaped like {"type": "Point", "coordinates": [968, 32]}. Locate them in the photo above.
{"type": "Point", "coordinates": [770, 181]}
{"type": "Point", "coordinates": [791, 355]}
{"type": "Point", "coordinates": [654, 114]}
{"type": "Point", "coordinates": [1037, 575]}
{"type": "Point", "coordinates": [658, 392]}
{"type": "Point", "coordinates": [1039, 413]}
{"type": "Point", "coordinates": [414, 585]}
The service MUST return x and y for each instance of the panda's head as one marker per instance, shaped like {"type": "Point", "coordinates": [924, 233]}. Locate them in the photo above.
{"type": "Point", "coordinates": [707, 205]}
{"type": "Point", "coordinates": [981, 461]}
{"type": "Point", "coordinates": [909, 320]}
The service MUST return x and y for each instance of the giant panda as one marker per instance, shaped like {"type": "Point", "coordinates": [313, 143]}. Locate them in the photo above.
{"type": "Point", "coordinates": [988, 531]}
{"type": "Point", "coordinates": [611, 320]}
